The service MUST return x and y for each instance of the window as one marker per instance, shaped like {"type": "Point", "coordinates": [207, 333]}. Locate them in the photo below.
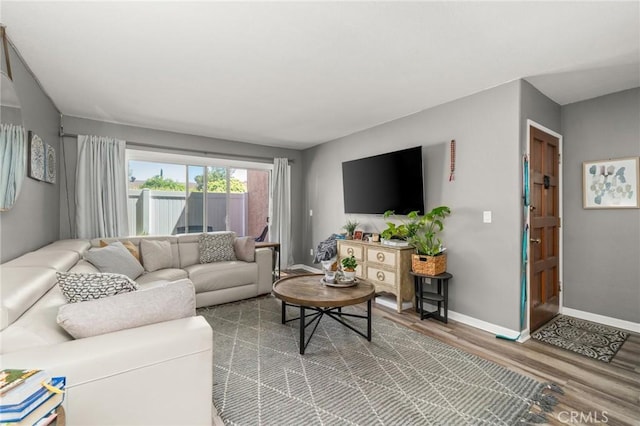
{"type": "Point", "coordinates": [174, 194]}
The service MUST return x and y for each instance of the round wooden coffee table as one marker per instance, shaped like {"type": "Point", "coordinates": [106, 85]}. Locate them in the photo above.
{"type": "Point", "coordinates": [308, 293]}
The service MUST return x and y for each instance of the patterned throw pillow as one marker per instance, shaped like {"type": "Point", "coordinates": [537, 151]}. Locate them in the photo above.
{"type": "Point", "coordinates": [216, 247]}
{"type": "Point", "coordinates": [82, 287]}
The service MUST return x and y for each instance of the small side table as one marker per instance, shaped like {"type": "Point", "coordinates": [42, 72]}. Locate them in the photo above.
{"type": "Point", "coordinates": [440, 296]}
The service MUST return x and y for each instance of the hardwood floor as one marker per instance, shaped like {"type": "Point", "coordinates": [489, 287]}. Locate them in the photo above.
{"type": "Point", "coordinates": [594, 392]}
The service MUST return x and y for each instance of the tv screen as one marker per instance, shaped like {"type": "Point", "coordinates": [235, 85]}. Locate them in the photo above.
{"type": "Point", "coordinates": [391, 181]}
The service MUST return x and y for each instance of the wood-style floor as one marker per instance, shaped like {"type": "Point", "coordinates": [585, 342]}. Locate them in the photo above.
{"type": "Point", "coordinates": [595, 392]}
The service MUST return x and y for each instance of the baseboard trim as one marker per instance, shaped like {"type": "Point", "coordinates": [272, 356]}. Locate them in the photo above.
{"type": "Point", "coordinates": [601, 319]}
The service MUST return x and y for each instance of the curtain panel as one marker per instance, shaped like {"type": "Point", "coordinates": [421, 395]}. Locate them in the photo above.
{"type": "Point", "coordinates": [101, 188]}
{"type": "Point", "coordinates": [281, 220]}
{"type": "Point", "coordinates": [13, 159]}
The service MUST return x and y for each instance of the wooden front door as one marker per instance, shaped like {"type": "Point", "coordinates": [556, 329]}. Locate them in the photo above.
{"type": "Point", "coordinates": [544, 241]}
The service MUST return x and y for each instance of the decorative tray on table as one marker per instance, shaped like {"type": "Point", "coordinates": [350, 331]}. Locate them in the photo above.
{"type": "Point", "coordinates": [340, 282]}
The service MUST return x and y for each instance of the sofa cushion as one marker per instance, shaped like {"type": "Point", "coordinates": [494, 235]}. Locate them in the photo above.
{"type": "Point", "coordinates": [156, 255]}
{"type": "Point", "coordinates": [79, 246]}
{"type": "Point", "coordinates": [188, 249]}
{"type": "Point", "coordinates": [163, 303]}
{"type": "Point", "coordinates": [116, 259]}
{"type": "Point", "coordinates": [58, 259]}
{"type": "Point", "coordinates": [83, 287]}
{"type": "Point", "coordinates": [168, 274]}
{"type": "Point", "coordinates": [84, 267]}
{"type": "Point", "coordinates": [245, 249]}
{"type": "Point", "coordinates": [21, 288]}
{"type": "Point", "coordinates": [220, 275]}
{"type": "Point", "coordinates": [173, 240]}
{"type": "Point", "coordinates": [216, 247]}
{"type": "Point", "coordinates": [133, 249]}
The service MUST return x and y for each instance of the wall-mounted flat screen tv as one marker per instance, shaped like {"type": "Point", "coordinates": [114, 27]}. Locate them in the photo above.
{"type": "Point", "coordinates": [391, 181]}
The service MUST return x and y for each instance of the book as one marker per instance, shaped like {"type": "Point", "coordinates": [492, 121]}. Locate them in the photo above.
{"type": "Point", "coordinates": [16, 412]}
{"type": "Point", "coordinates": [17, 385]}
{"type": "Point", "coordinates": [41, 415]}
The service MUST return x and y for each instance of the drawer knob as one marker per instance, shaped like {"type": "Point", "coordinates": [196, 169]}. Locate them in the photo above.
{"type": "Point", "coordinates": [380, 257]}
{"type": "Point", "coordinates": [380, 276]}
{"type": "Point", "coordinates": [350, 251]}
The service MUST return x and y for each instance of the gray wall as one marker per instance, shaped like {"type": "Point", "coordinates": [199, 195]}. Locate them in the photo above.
{"type": "Point", "coordinates": [34, 219]}
{"type": "Point", "coordinates": [161, 139]}
{"type": "Point", "coordinates": [484, 258]}
{"type": "Point", "coordinates": [601, 247]}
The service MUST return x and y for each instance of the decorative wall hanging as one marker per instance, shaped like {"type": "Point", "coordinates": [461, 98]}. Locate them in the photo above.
{"type": "Point", "coordinates": [50, 164]}
{"type": "Point", "coordinates": [452, 168]}
{"type": "Point", "coordinates": [608, 184]}
{"type": "Point", "coordinates": [36, 157]}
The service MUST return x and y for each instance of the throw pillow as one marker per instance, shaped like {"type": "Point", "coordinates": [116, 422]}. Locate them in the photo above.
{"type": "Point", "coordinates": [164, 303]}
{"type": "Point", "coordinates": [115, 258]}
{"type": "Point", "coordinates": [82, 287]}
{"type": "Point", "coordinates": [216, 247]}
{"type": "Point", "coordinates": [156, 255]}
{"type": "Point", "coordinates": [245, 249]}
{"type": "Point", "coordinates": [128, 245]}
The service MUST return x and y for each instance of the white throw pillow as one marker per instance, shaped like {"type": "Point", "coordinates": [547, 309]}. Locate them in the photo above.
{"type": "Point", "coordinates": [116, 259]}
{"type": "Point", "coordinates": [245, 249]}
{"type": "Point", "coordinates": [80, 287]}
{"type": "Point", "coordinates": [156, 255]}
{"type": "Point", "coordinates": [216, 247]}
{"type": "Point", "coordinates": [164, 303]}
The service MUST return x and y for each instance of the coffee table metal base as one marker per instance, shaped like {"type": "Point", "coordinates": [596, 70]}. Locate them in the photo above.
{"type": "Point", "coordinates": [316, 316]}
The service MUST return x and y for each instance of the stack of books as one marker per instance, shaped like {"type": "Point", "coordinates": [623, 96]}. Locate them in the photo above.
{"type": "Point", "coordinates": [29, 397]}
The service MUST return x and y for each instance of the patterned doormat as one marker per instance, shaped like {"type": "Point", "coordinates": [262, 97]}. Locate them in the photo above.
{"type": "Point", "coordinates": [583, 337]}
{"type": "Point", "coordinates": [401, 377]}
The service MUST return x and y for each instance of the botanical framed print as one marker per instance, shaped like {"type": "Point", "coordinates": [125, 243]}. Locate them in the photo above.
{"type": "Point", "coordinates": [50, 164]}
{"type": "Point", "coordinates": [608, 184]}
{"type": "Point", "coordinates": [36, 157]}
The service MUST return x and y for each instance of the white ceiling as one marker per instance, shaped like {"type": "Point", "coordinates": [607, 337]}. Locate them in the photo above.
{"type": "Point", "coordinates": [299, 74]}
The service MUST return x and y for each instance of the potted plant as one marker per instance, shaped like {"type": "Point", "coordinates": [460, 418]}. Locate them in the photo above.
{"type": "Point", "coordinates": [430, 257]}
{"type": "Point", "coordinates": [405, 231]}
{"type": "Point", "coordinates": [349, 265]}
{"type": "Point", "coordinates": [350, 226]}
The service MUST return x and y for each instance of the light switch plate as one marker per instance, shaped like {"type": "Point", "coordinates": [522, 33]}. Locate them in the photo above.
{"type": "Point", "coordinates": [486, 216]}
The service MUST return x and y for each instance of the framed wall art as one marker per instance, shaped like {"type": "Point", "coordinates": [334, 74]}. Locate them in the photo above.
{"type": "Point", "coordinates": [36, 157]}
{"type": "Point", "coordinates": [357, 235]}
{"type": "Point", "coordinates": [50, 164]}
{"type": "Point", "coordinates": [609, 184]}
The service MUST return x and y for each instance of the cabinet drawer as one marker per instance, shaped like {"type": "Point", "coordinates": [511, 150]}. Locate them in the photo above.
{"type": "Point", "coordinates": [384, 257]}
{"type": "Point", "coordinates": [376, 275]}
{"type": "Point", "coordinates": [347, 250]}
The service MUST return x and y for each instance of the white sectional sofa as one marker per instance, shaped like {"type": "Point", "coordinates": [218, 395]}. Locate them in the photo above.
{"type": "Point", "coordinates": [156, 374]}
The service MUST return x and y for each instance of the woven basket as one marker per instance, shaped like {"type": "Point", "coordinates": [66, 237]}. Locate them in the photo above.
{"type": "Point", "coordinates": [428, 265]}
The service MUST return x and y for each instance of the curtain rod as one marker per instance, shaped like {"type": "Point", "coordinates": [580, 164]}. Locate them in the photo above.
{"type": "Point", "coordinates": [190, 150]}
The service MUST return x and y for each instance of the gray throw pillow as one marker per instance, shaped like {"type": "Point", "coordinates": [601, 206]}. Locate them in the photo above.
{"type": "Point", "coordinates": [156, 255]}
{"type": "Point", "coordinates": [80, 287]}
{"type": "Point", "coordinates": [116, 259]}
{"type": "Point", "coordinates": [163, 303]}
{"type": "Point", "coordinates": [216, 247]}
{"type": "Point", "coordinates": [245, 249]}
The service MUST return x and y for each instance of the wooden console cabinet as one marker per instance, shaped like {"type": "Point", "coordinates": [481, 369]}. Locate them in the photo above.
{"type": "Point", "coordinates": [386, 267]}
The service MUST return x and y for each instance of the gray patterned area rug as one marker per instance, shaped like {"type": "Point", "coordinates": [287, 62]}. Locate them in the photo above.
{"type": "Point", "coordinates": [401, 377]}
{"type": "Point", "coordinates": [583, 337]}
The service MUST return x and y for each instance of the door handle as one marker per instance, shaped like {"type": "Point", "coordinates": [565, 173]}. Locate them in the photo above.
{"type": "Point", "coordinates": [535, 240]}
{"type": "Point", "coordinates": [532, 208]}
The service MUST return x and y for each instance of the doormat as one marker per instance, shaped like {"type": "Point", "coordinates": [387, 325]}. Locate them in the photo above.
{"type": "Point", "coordinates": [583, 337]}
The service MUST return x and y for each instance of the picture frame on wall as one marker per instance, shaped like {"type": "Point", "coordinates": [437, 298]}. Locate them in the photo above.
{"type": "Point", "coordinates": [36, 169]}
{"type": "Point", "coordinates": [357, 235]}
{"type": "Point", "coordinates": [50, 164]}
{"type": "Point", "coordinates": [610, 184]}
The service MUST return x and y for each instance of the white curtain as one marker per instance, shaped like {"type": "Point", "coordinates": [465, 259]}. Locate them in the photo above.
{"type": "Point", "coordinates": [13, 160]}
{"type": "Point", "coordinates": [101, 188]}
{"type": "Point", "coordinates": [281, 210]}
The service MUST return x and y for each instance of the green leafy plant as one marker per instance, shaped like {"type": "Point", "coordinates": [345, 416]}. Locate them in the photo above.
{"type": "Point", "coordinates": [349, 263]}
{"type": "Point", "coordinates": [351, 226]}
{"type": "Point", "coordinates": [406, 230]}
{"type": "Point", "coordinates": [426, 241]}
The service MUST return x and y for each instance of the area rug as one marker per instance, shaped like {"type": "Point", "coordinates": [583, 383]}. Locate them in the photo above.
{"type": "Point", "coordinates": [401, 377]}
{"type": "Point", "coordinates": [583, 337]}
